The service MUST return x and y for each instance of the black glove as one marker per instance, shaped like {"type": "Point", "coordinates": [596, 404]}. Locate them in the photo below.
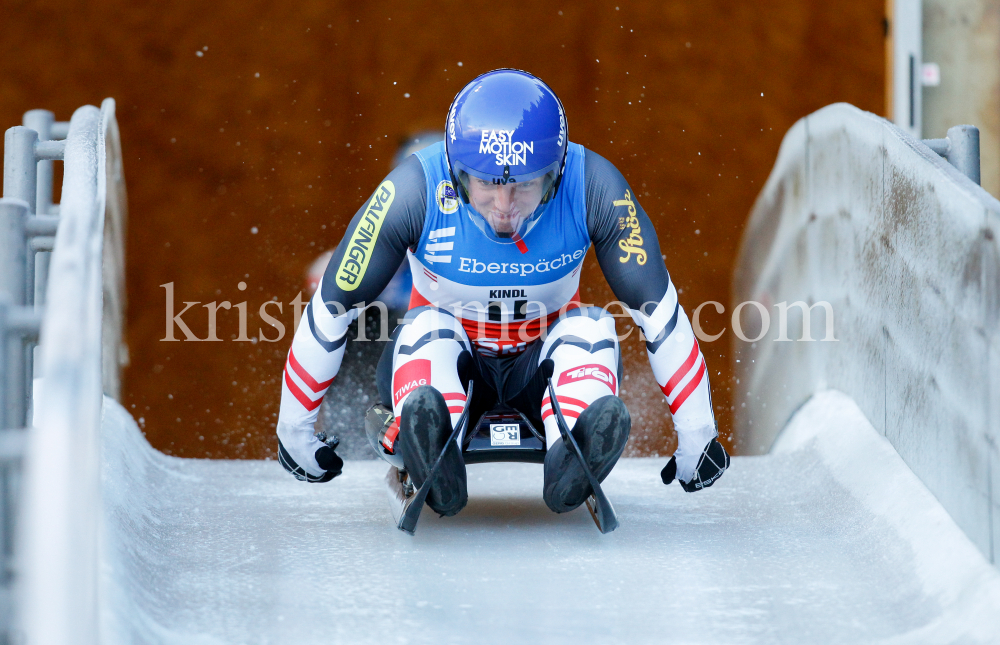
{"type": "Point", "coordinates": [327, 459]}
{"type": "Point", "coordinates": [714, 461]}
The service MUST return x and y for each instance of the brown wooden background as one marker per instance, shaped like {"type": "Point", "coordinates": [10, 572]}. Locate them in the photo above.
{"type": "Point", "coordinates": [291, 113]}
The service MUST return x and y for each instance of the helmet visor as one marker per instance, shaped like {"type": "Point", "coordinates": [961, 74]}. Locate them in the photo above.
{"type": "Point", "coordinates": [507, 208]}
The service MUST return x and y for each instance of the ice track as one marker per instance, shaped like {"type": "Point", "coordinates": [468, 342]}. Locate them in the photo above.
{"type": "Point", "coordinates": [828, 539]}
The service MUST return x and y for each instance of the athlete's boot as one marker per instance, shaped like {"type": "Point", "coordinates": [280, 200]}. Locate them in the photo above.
{"type": "Point", "coordinates": [425, 426]}
{"type": "Point", "coordinates": [601, 432]}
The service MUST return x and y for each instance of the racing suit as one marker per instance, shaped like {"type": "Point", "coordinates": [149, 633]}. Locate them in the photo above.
{"type": "Point", "coordinates": [510, 306]}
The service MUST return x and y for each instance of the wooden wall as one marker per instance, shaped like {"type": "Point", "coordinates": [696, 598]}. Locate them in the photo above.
{"type": "Point", "coordinates": [254, 116]}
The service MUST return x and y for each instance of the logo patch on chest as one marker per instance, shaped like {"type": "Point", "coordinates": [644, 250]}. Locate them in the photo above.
{"type": "Point", "coordinates": [447, 199]}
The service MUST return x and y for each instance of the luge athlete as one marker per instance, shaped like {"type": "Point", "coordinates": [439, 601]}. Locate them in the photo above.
{"type": "Point", "coordinates": [495, 222]}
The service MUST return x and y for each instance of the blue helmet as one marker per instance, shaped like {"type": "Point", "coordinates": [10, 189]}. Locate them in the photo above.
{"type": "Point", "coordinates": [506, 127]}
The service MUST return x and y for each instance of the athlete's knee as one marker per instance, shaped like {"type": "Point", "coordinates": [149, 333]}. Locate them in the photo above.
{"type": "Point", "coordinates": [587, 330]}
{"type": "Point", "coordinates": [430, 324]}
{"type": "Point", "coordinates": [425, 314]}
{"type": "Point", "coordinates": [581, 353]}
{"type": "Point", "coordinates": [427, 352]}
{"type": "Point", "coordinates": [592, 322]}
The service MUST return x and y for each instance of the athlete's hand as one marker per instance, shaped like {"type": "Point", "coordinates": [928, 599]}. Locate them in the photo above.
{"type": "Point", "coordinates": [712, 463]}
{"type": "Point", "coordinates": [326, 458]}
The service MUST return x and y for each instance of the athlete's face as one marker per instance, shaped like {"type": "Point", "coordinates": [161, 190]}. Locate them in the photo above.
{"type": "Point", "coordinates": [505, 207]}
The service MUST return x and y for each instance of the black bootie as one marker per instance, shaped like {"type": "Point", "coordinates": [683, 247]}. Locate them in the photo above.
{"type": "Point", "coordinates": [601, 432]}
{"type": "Point", "coordinates": [424, 428]}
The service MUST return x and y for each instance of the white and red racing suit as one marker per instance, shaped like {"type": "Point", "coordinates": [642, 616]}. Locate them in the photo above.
{"type": "Point", "coordinates": [503, 298]}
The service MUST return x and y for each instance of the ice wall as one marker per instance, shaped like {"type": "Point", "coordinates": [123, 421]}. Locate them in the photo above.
{"type": "Point", "coordinates": [858, 214]}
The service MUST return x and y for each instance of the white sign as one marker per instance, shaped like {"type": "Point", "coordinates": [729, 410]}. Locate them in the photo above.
{"type": "Point", "coordinates": [930, 75]}
{"type": "Point", "coordinates": [505, 434]}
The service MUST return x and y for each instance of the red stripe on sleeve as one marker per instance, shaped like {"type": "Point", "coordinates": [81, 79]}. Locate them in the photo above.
{"type": "Point", "coordinates": [297, 392]}
{"type": "Point", "coordinates": [688, 389]}
{"type": "Point", "coordinates": [682, 370]}
{"type": "Point", "coordinates": [454, 396]}
{"type": "Point", "coordinates": [305, 376]}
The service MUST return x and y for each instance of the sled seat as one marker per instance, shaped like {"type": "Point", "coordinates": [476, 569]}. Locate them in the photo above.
{"type": "Point", "coordinates": [503, 434]}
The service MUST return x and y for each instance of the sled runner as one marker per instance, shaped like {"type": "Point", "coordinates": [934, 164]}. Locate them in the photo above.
{"type": "Point", "coordinates": [500, 435]}
{"type": "Point", "coordinates": [598, 504]}
{"type": "Point", "coordinates": [405, 500]}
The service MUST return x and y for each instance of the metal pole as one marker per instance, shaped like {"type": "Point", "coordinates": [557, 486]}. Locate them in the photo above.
{"type": "Point", "coordinates": [19, 165]}
{"type": "Point", "coordinates": [964, 150]}
{"type": "Point", "coordinates": [960, 148]}
{"type": "Point", "coordinates": [13, 265]}
{"type": "Point", "coordinates": [45, 153]}
{"type": "Point", "coordinates": [18, 325]}
{"type": "Point", "coordinates": [42, 244]}
{"type": "Point", "coordinates": [42, 225]}
{"type": "Point", "coordinates": [60, 129]}
{"type": "Point", "coordinates": [13, 248]}
{"type": "Point", "coordinates": [904, 90]}
{"type": "Point", "coordinates": [4, 371]}
{"type": "Point", "coordinates": [41, 122]}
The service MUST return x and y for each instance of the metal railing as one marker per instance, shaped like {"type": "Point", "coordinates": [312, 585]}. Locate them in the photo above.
{"type": "Point", "coordinates": [25, 221]}
{"type": "Point", "coordinates": [960, 148]}
{"type": "Point", "coordinates": [71, 300]}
